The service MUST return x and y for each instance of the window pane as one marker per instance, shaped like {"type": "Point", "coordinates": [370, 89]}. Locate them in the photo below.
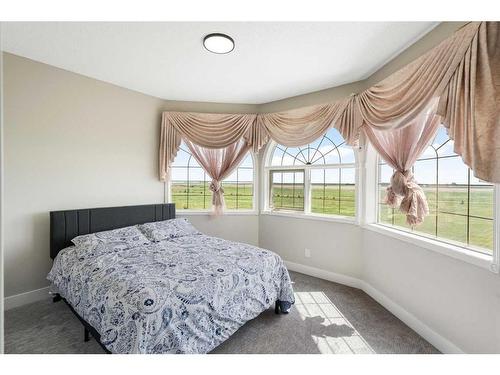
{"type": "Point", "coordinates": [481, 233]}
{"type": "Point", "coordinates": [347, 154]}
{"type": "Point", "coordinates": [460, 205]}
{"type": "Point", "coordinates": [247, 162]}
{"type": "Point", "coordinates": [230, 198]}
{"type": "Point", "coordinates": [245, 197]}
{"type": "Point", "coordinates": [429, 225]}
{"type": "Point", "coordinates": [331, 156]}
{"type": "Point", "coordinates": [385, 214]}
{"type": "Point", "coordinates": [426, 175]}
{"type": "Point", "coordinates": [182, 158]}
{"type": "Point", "coordinates": [481, 222]}
{"type": "Point", "coordinates": [325, 191]}
{"type": "Point", "coordinates": [238, 187]}
{"type": "Point", "coordinates": [328, 149]}
{"type": "Point", "coordinates": [199, 195]}
{"type": "Point", "coordinates": [179, 173]}
{"type": "Point", "coordinates": [425, 172]}
{"type": "Point", "coordinates": [179, 195]}
{"type": "Point", "coordinates": [238, 195]}
{"type": "Point", "coordinates": [190, 184]}
{"type": "Point", "coordinates": [453, 177]}
{"type": "Point", "coordinates": [482, 201]}
{"type": "Point", "coordinates": [452, 227]}
{"type": "Point", "coordinates": [287, 190]}
{"type": "Point", "coordinates": [196, 174]}
{"type": "Point", "coordinates": [277, 156]}
{"type": "Point", "coordinates": [347, 191]}
{"type": "Point", "coordinates": [333, 191]}
{"type": "Point", "coordinates": [385, 173]}
{"type": "Point", "coordinates": [245, 175]}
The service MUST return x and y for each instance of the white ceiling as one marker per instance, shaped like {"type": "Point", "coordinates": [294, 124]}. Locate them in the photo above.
{"type": "Point", "coordinates": [271, 61]}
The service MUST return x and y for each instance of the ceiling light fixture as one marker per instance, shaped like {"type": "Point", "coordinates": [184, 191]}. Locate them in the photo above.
{"type": "Point", "coordinates": [218, 43]}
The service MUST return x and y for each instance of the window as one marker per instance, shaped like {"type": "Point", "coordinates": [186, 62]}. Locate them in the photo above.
{"type": "Point", "coordinates": [189, 185]}
{"type": "Point", "coordinates": [317, 178]}
{"type": "Point", "coordinates": [461, 207]}
{"type": "Point", "coordinates": [287, 190]}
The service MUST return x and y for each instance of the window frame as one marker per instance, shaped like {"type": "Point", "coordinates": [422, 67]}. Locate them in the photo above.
{"type": "Point", "coordinates": [270, 188]}
{"type": "Point", "coordinates": [443, 246]}
{"type": "Point", "coordinates": [267, 168]}
{"type": "Point", "coordinates": [436, 237]}
{"type": "Point", "coordinates": [167, 191]}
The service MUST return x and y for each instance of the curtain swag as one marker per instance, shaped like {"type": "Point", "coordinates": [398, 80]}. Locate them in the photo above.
{"type": "Point", "coordinates": [461, 75]}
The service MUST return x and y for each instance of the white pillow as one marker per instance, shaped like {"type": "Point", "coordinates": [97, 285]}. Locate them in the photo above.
{"type": "Point", "coordinates": [111, 240]}
{"type": "Point", "coordinates": [167, 229]}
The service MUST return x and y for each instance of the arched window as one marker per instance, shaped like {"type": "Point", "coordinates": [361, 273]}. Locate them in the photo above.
{"type": "Point", "coordinates": [317, 178]}
{"type": "Point", "coordinates": [189, 184]}
{"type": "Point", "coordinates": [461, 206]}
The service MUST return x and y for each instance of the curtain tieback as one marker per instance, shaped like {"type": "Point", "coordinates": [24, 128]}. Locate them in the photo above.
{"type": "Point", "coordinates": [217, 197]}
{"type": "Point", "coordinates": [404, 192]}
{"type": "Point", "coordinates": [216, 187]}
{"type": "Point", "coordinates": [401, 181]}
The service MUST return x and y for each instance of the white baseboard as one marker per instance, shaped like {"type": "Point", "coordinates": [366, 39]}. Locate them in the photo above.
{"type": "Point", "coordinates": [325, 275]}
{"type": "Point", "coordinates": [25, 298]}
{"type": "Point", "coordinates": [440, 342]}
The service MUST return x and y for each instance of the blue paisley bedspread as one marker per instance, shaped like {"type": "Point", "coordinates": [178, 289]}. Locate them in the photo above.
{"type": "Point", "coordinates": [183, 295]}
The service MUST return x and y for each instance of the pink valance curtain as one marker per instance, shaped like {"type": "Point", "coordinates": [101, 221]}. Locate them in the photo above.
{"type": "Point", "coordinates": [300, 126]}
{"type": "Point", "coordinates": [208, 130]}
{"type": "Point", "coordinates": [400, 148]}
{"type": "Point", "coordinates": [470, 104]}
{"type": "Point", "coordinates": [462, 72]}
{"type": "Point", "coordinates": [219, 163]}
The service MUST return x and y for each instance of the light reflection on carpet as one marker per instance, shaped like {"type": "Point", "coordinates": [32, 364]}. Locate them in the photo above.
{"type": "Point", "coordinates": [330, 330]}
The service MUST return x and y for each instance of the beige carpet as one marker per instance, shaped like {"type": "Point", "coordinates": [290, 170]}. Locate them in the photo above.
{"type": "Point", "coordinates": [327, 318]}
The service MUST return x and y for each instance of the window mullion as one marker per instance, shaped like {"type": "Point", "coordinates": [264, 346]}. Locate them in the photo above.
{"type": "Point", "coordinates": [307, 190]}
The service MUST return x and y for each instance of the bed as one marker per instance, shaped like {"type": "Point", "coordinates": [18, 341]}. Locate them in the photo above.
{"type": "Point", "coordinates": [185, 294]}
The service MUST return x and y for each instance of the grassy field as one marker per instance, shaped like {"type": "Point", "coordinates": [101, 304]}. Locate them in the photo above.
{"type": "Point", "coordinates": [448, 215]}
{"type": "Point", "coordinates": [329, 199]}
{"type": "Point", "coordinates": [200, 197]}
{"type": "Point", "coordinates": [451, 208]}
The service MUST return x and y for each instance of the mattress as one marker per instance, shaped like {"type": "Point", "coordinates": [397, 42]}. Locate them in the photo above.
{"type": "Point", "coordinates": [183, 295]}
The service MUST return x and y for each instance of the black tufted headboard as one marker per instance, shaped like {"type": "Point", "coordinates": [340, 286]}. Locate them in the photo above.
{"type": "Point", "coordinates": [66, 225]}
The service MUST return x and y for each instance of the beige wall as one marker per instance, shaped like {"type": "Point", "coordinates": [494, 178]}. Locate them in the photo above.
{"type": "Point", "coordinates": [334, 247]}
{"type": "Point", "coordinates": [459, 301]}
{"type": "Point", "coordinates": [102, 140]}
{"type": "Point", "coordinates": [75, 142]}
{"type": "Point", "coordinates": [72, 142]}
{"type": "Point", "coordinates": [233, 227]}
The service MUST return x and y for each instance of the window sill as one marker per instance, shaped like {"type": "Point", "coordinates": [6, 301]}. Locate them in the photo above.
{"type": "Point", "coordinates": [469, 256]}
{"type": "Point", "coordinates": [299, 215]}
{"type": "Point", "coordinates": [209, 213]}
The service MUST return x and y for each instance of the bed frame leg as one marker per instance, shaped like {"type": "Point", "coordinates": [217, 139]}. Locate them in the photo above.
{"type": "Point", "coordinates": [86, 336]}
{"type": "Point", "coordinates": [57, 297]}
{"type": "Point", "coordinates": [277, 307]}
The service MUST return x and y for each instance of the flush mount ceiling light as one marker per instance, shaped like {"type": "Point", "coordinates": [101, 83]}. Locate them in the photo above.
{"type": "Point", "coordinates": [218, 43]}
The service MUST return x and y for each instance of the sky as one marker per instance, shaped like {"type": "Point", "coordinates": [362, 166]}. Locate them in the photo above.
{"type": "Point", "coordinates": [451, 170]}
{"type": "Point", "coordinates": [325, 147]}
{"type": "Point", "coordinates": [244, 172]}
